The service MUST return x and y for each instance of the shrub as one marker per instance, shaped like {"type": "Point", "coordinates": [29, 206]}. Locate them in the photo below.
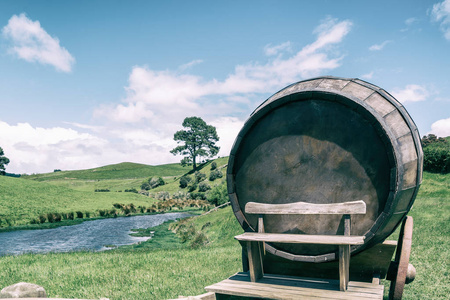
{"type": "Point", "coordinates": [436, 160]}
{"type": "Point", "coordinates": [101, 190]}
{"type": "Point", "coordinates": [213, 166]}
{"type": "Point", "coordinates": [192, 186]}
{"type": "Point", "coordinates": [218, 195]}
{"type": "Point", "coordinates": [197, 196]}
{"type": "Point", "coordinates": [215, 174]}
{"type": "Point", "coordinates": [184, 181]}
{"type": "Point", "coordinates": [79, 215]}
{"type": "Point", "coordinates": [50, 218]}
{"type": "Point", "coordinates": [199, 177]}
{"type": "Point", "coordinates": [152, 183]}
{"type": "Point", "coordinates": [186, 232]}
{"type": "Point", "coordinates": [199, 240]}
{"type": "Point", "coordinates": [42, 219]}
{"type": "Point", "coordinates": [133, 190]}
{"type": "Point", "coordinates": [87, 214]}
{"type": "Point", "coordinates": [203, 187]}
{"type": "Point", "coordinates": [57, 217]}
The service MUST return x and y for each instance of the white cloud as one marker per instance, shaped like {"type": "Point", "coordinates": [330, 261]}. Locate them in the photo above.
{"type": "Point", "coordinates": [441, 128]}
{"type": "Point", "coordinates": [161, 94]}
{"type": "Point", "coordinates": [441, 13]}
{"type": "Point", "coordinates": [32, 43]}
{"type": "Point", "coordinates": [411, 21]}
{"type": "Point", "coordinates": [190, 64]}
{"type": "Point", "coordinates": [270, 50]}
{"type": "Point", "coordinates": [141, 128]}
{"type": "Point", "coordinates": [227, 130]}
{"type": "Point", "coordinates": [368, 75]}
{"type": "Point", "coordinates": [411, 93]}
{"type": "Point", "coordinates": [378, 47]}
{"type": "Point", "coordinates": [38, 149]}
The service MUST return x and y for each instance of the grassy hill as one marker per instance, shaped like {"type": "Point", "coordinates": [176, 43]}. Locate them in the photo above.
{"type": "Point", "coordinates": [125, 170]}
{"type": "Point", "coordinates": [24, 200]}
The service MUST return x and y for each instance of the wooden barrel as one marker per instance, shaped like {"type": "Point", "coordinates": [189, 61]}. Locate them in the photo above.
{"type": "Point", "coordinates": [327, 140]}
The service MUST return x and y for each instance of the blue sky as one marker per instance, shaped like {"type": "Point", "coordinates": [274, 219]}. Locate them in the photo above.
{"type": "Point", "coordinates": [89, 83]}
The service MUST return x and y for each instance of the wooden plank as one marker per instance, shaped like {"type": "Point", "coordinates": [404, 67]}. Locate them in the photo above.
{"type": "Point", "coordinates": [279, 287]}
{"type": "Point", "coordinates": [300, 238]}
{"type": "Point", "coordinates": [255, 263]}
{"type": "Point", "coordinates": [352, 207]}
{"type": "Point", "coordinates": [344, 266]}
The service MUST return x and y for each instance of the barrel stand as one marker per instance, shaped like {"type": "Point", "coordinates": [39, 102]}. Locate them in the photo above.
{"type": "Point", "coordinates": [365, 272]}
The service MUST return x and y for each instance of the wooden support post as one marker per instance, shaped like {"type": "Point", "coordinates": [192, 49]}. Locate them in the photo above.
{"type": "Point", "coordinates": [255, 261]}
{"type": "Point", "coordinates": [344, 257]}
{"type": "Point", "coordinates": [261, 230]}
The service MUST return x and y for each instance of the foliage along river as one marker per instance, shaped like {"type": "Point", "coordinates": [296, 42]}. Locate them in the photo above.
{"type": "Point", "coordinates": [89, 235]}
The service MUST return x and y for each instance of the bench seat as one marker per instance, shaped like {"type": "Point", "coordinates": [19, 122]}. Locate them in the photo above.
{"type": "Point", "coordinates": [300, 238]}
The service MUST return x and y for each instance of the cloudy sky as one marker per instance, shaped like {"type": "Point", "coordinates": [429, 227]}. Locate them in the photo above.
{"type": "Point", "coordinates": [90, 83]}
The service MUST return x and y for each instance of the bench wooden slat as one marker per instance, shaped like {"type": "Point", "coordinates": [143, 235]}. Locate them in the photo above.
{"type": "Point", "coordinates": [300, 238]}
{"type": "Point", "coordinates": [277, 287]}
{"type": "Point", "coordinates": [351, 207]}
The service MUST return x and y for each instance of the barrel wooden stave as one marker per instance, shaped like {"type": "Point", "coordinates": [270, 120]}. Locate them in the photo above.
{"type": "Point", "coordinates": [283, 127]}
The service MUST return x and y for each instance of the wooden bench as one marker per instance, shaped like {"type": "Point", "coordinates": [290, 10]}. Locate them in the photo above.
{"type": "Point", "coordinates": [255, 240]}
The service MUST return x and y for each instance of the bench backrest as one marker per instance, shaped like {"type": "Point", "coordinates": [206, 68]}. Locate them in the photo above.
{"type": "Point", "coordinates": [304, 208]}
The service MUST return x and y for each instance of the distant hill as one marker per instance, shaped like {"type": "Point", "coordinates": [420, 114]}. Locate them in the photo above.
{"type": "Point", "coordinates": [125, 170]}
{"type": "Point", "coordinates": [23, 200]}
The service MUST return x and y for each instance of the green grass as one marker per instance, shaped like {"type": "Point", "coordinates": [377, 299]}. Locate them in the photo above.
{"type": "Point", "coordinates": [143, 272]}
{"type": "Point", "coordinates": [22, 200]}
{"type": "Point", "coordinates": [124, 170]}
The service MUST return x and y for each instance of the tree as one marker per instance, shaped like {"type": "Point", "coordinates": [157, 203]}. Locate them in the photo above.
{"type": "Point", "coordinates": [3, 162]}
{"type": "Point", "coordinates": [198, 140]}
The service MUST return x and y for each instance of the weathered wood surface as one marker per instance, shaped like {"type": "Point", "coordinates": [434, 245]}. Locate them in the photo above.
{"type": "Point", "coordinates": [287, 288]}
{"type": "Point", "coordinates": [300, 238]}
{"type": "Point", "coordinates": [363, 265]}
{"type": "Point", "coordinates": [206, 296]}
{"type": "Point", "coordinates": [305, 208]}
{"type": "Point", "coordinates": [324, 141]}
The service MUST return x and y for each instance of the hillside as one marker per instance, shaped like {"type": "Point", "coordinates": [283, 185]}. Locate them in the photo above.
{"type": "Point", "coordinates": [125, 170]}
{"type": "Point", "coordinates": [23, 200]}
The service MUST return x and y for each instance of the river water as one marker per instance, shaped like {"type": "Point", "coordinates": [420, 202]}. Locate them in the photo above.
{"type": "Point", "coordinates": [89, 235]}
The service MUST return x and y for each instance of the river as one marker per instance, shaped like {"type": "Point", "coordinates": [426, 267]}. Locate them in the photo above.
{"type": "Point", "coordinates": [89, 235]}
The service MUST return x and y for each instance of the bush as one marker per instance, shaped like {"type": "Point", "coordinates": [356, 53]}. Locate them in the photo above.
{"type": "Point", "coordinates": [101, 190]}
{"type": "Point", "coordinates": [203, 187]}
{"type": "Point", "coordinates": [199, 177]}
{"type": "Point", "coordinates": [213, 166]}
{"type": "Point", "coordinates": [184, 181]}
{"type": "Point", "coordinates": [79, 215]}
{"type": "Point", "coordinates": [152, 183]}
{"type": "Point", "coordinates": [218, 195]}
{"type": "Point", "coordinates": [436, 160]}
{"type": "Point", "coordinates": [42, 219]}
{"type": "Point", "coordinates": [192, 186]}
{"type": "Point", "coordinates": [133, 190]}
{"type": "Point", "coordinates": [197, 196]}
{"type": "Point", "coordinates": [215, 174]}
{"type": "Point", "coordinates": [199, 240]}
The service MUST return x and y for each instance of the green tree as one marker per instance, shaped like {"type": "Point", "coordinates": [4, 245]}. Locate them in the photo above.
{"type": "Point", "coordinates": [197, 140]}
{"type": "Point", "coordinates": [3, 162]}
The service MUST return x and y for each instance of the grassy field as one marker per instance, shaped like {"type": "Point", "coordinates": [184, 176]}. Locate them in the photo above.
{"type": "Point", "coordinates": [118, 171]}
{"type": "Point", "coordinates": [148, 271]}
{"type": "Point", "coordinates": [23, 200]}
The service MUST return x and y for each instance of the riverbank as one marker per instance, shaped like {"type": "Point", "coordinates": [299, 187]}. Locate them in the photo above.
{"type": "Point", "coordinates": [193, 211]}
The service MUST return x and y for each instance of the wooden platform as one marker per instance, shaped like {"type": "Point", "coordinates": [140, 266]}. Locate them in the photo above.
{"type": "Point", "coordinates": [288, 287]}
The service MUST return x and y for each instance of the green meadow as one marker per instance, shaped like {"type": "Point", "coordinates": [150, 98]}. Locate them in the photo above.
{"type": "Point", "coordinates": [202, 251]}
